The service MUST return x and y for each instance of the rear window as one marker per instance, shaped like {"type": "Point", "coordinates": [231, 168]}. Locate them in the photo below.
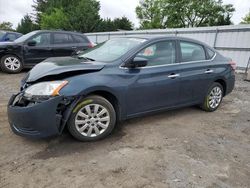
{"type": "Point", "coordinates": [80, 39]}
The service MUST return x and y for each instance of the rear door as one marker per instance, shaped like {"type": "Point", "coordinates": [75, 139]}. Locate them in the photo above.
{"type": "Point", "coordinates": [156, 86]}
{"type": "Point", "coordinates": [40, 51]}
{"type": "Point", "coordinates": [195, 72]}
{"type": "Point", "coordinates": [63, 44]}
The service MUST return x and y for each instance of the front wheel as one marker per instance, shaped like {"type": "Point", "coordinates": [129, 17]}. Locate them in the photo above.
{"type": "Point", "coordinates": [92, 119]}
{"type": "Point", "coordinates": [11, 64]}
{"type": "Point", "coordinates": [213, 97]}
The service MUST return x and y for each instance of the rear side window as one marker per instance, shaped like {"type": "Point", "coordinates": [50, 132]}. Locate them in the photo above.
{"type": "Point", "coordinates": [210, 53]}
{"type": "Point", "coordinates": [192, 52]}
{"type": "Point", "coordinates": [80, 39]}
{"type": "Point", "coordinates": [63, 38]}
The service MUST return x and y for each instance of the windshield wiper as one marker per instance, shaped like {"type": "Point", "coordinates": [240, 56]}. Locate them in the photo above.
{"type": "Point", "coordinates": [87, 58]}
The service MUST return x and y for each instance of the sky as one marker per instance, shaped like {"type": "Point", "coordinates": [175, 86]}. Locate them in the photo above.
{"type": "Point", "coordinates": [14, 10]}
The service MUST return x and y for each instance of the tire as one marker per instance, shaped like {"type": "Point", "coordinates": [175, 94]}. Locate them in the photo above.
{"type": "Point", "coordinates": [93, 118]}
{"type": "Point", "coordinates": [213, 97]}
{"type": "Point", "coordinates": [11, 64]}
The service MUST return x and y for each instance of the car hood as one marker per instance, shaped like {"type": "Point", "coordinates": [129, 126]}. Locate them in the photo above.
{"type": "Point", "coordinates": [61, 65]}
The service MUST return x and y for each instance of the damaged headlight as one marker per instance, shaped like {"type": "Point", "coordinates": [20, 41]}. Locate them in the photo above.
{"type": "Point", "coordinates": [51, 88]}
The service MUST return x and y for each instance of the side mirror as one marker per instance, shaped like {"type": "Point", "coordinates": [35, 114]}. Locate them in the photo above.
{"type": "Point", "coordinates": [7, 39]}
{"type": "Point", "coordinates": [137, 62]}
{"type": "Point", "coordinates": [31, 43]}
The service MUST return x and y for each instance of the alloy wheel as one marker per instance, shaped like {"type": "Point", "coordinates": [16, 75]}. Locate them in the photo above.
{"type": "Point", "coordinates": [215, 97]}
{"type": "Point", "coordinates": [12, 63]}
{"type": "Point", "coordinates": [92, 120]}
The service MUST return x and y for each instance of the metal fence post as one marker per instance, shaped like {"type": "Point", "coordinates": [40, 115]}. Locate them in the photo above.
{"type": "Point", "coordinates": [215, 37]}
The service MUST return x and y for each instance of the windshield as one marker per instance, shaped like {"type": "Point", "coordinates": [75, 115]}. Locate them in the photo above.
{"type": "Point", "coordinates": [2, 33]}
{"type": "Point", "coordinates": [112, 49]}
{"type": "Point", "coordinates": [25, 37]}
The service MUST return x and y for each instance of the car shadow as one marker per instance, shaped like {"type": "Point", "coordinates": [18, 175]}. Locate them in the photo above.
{"type": "Point", "coordinates": [67, 145]}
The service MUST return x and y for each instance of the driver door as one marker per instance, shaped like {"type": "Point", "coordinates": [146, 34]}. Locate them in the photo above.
{"type": "Point", "coordinates": [157, 85]}
{"type": "Point", "coordinates": [39, 50]}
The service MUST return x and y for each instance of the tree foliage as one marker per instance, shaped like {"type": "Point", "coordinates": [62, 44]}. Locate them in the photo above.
{"type": "Point", "coordinates": [6, 26]}
{"type": "Point", "coordinates": [76, 15]}
{"type": "Point", "coordinates": [246, 19]}
{"type": "Point", "coordinates": [26, 25]}
{"type": "Point", "coordinates": [183, 13]}
{"type": "Point", "coordinates": [55, 20]}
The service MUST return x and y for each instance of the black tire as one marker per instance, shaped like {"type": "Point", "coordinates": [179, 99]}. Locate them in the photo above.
{"type": "Point", "coordinates": [88, 101]}
{"type": "Point", "coordinates": [206, 105]}
{"type": "Point", "coordinates": [7, 69]}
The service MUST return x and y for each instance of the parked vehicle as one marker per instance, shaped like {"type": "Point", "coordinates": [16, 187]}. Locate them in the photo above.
{"type": "Point", "coordinates": [119, 79]}
{"type": "Point", "coordinates": [36, 46]}
{"type": "Point", "coordinates": [9, 35]}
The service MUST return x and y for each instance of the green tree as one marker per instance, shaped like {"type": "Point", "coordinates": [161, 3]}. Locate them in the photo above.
{"type": "Point", "coordinates": [76, 15]}
{"type": "Point", "coordinates": [55, 20]}
{"type": "Point", "coordinates": [246, 19]}
{"type": "Point", "coordinates": [26, 25]}
{"type": "Point", "coordinates": [6, 26]}
{"type": "Point", "coordinates": [85, 16]}
{"type": "Point", "coordinates": [183, 13]}
{"type": "Point", "coordinates": [123, 23]}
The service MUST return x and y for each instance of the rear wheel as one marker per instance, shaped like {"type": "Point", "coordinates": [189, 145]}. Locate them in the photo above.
{"type": "Point", "coordinates": [11, 64]}
{"type": "Point", "coordinates": [92, 119]}
{"type": "Point", "coordinates": [213, 98]}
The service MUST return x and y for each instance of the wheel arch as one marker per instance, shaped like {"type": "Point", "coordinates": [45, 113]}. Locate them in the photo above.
{"type": "Point", "coordinates": [6, 53]}
{"type": "Point", "coordinates": [223, 83]}
{"type": "Point", "coordinates": [111, 98]}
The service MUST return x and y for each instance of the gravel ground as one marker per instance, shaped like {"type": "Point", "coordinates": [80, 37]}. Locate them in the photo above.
{"type": "Point", "coordinates": [181, 148]}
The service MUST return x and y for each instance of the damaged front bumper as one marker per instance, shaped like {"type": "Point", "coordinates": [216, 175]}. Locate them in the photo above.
{"type": "Point", "coordinates": [37, 119]}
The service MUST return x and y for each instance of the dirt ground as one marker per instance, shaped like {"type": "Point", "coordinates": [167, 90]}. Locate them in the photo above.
{"type": "Point", "coordinates": [181, 148]}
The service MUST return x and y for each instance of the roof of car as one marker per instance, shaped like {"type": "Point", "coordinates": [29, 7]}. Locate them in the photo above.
{"type": "Point", "coordinates": [6, 31]}
{"type": "Point", "coordinates": [173, 37]}
{"type": "Point", "coordinates": [60, 31]}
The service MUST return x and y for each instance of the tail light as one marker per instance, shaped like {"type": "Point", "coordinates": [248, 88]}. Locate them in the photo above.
{"type": "Point", "coordinates": [91, 45]}
{"type": "Point", "coordinates": [233, 64]}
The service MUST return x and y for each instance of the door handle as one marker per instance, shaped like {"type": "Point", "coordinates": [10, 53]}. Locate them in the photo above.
{"type": "Point", "coordinates": [209, 71]}
{"type": "Point", "coordinates": [73, 47]}
{"type": "Point", "coordinates": [173, 75]}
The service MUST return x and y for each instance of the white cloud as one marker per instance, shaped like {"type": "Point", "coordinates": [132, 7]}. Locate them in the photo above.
{"type": "Point", "coordinates": [14, 10]}
{"type": "Point", "coordinates": [118, 8]}
{"type": "Point", "coordinates": [241, 9]}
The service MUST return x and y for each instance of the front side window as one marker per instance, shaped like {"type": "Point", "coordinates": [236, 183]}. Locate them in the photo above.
{"type": "Point", "coordinates": [63, 38]}
{"type": "Point", "coordinates": [160, 53]}
{"type": "Point", "coordinates": [42, 39]}
{"type": "Point", "coordinates": [192, 52]}
{"type": "Point", "coordinates": [11, 36]}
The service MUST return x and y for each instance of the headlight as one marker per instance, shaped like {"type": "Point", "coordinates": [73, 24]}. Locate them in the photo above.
{"type": "Point", "coordinates": [51, 88]}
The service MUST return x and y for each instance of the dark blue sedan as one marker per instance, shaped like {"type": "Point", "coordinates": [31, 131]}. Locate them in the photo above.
{"type": "Point", "coordinates": [118, 79]}
{"type": "Point", "coordinates": [9, 36]}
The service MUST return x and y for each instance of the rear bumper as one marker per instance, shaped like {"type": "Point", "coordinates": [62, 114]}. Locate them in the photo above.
{"type": "Point", "coordinates": [37, 120]}
{"type": "Point", "coordinates": [230, 84]}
